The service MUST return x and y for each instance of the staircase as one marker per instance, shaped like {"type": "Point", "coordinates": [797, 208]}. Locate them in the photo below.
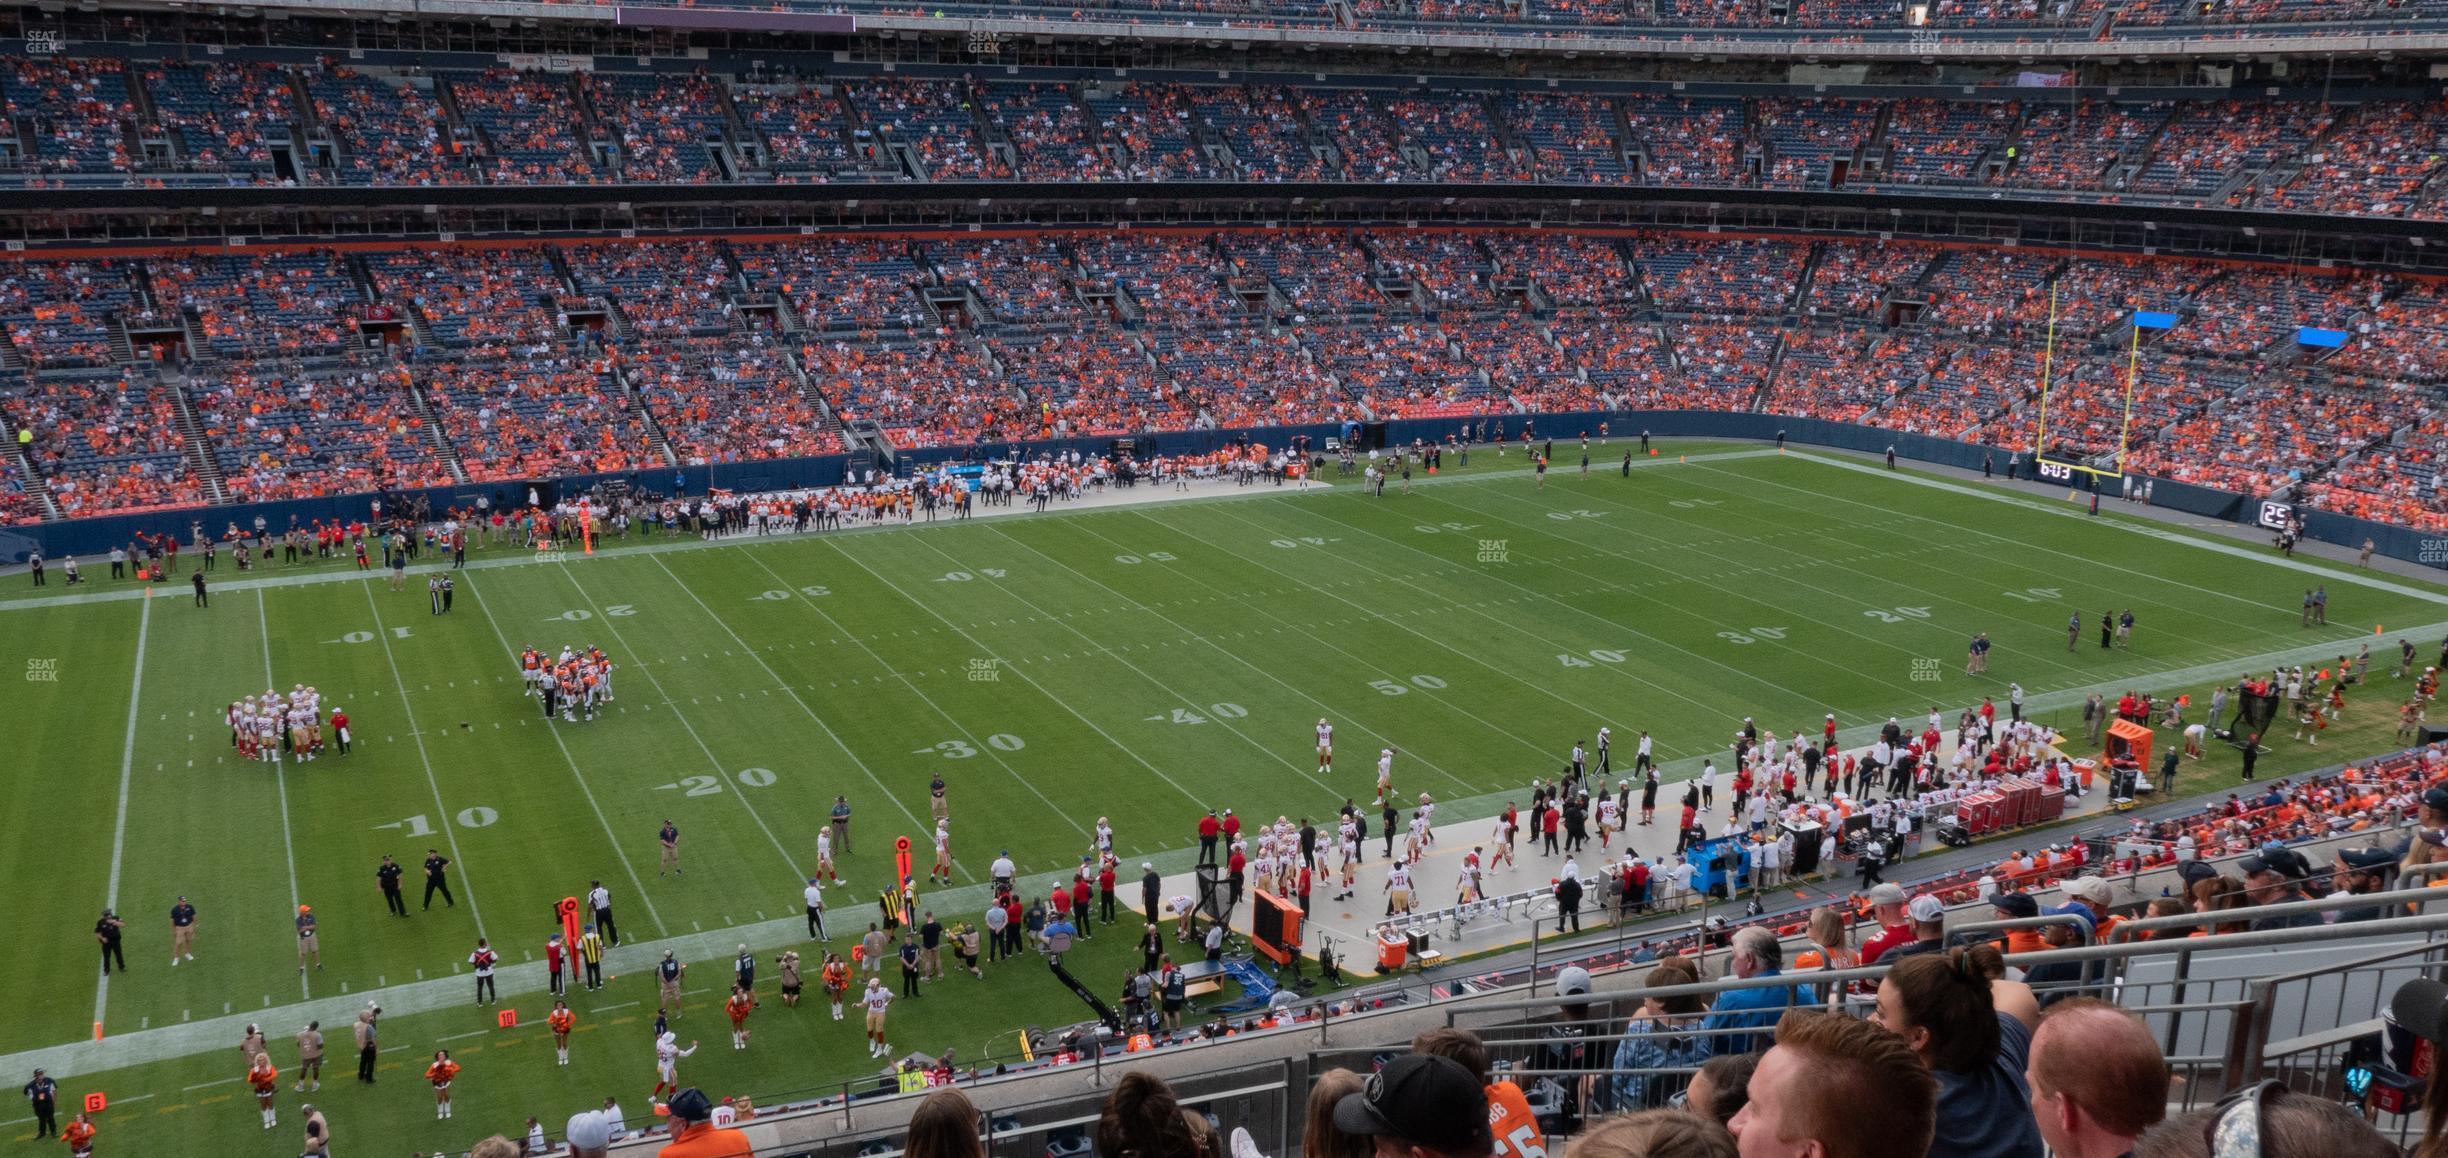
{"type": "Point", "coordinates": [29, 470]}
{"type": "Point", "coordinates": [200, 458]}
{"type": "Point", "coordinates": [430, 422]}
{"type": "Point", "coordinates": [827, 420]}
{"type": "Point", "coordinates": [645, 418]}
{"type": "Point", "coordinates": [12, 359]}
{"type": "Point", "coordinates": [123, 348]}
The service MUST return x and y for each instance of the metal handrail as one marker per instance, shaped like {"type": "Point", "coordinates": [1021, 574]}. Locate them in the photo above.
{"type": "Point", "coordinates": [2129, 930]}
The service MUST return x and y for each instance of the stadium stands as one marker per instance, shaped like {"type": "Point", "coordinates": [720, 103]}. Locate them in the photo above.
{"type": "Point", "coordinates": [582, 357]}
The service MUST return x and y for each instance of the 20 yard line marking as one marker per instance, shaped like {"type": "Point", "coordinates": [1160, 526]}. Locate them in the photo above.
{"type": "Point", "coordinates": [280, 782]}
{"type": "Point", "coordinates": [583, 787]}
{"type": "Point", "coordinates": [127, 772]}
{"type": "Point", "coordinates": [623, 641]}
{"type": "Point", "coordinates": [450, 833]}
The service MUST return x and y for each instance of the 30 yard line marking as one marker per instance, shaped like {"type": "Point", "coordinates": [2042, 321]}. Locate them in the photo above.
{"type": "Point", "coordinates": [280, 782]}
{"type": "Point", "coordinates": [623, 641]}
{"type": "Point", "coordinates": [1058, 701]}
{"type": "Point", "coordinates": [990, 750]}
{"type": "Point", "coordinates": [610, 837]}
{"type": "Point", "coordinates": [127, 773]}
{"type": "Point", "coordinates": [1325, 638]}
{"type": "Point", "coordinates": [442, 813]}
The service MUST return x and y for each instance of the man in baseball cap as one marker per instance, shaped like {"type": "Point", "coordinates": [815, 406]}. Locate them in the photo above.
{"type": "Point", "coordinates": [1420, 1106]}
{"type": "Point", "coordinates": [1928, 915]}
{"type": "Point", "coordinates": [589, 1134]}
{"type": "Point", "coordinates": [693, 1132]}
{"type": "Point", "coordinates": [2362, 871]}
{"type": "Point", "coordinates": [1887, 907]}
{"type": "Point", "coordinates": [2275, 876]}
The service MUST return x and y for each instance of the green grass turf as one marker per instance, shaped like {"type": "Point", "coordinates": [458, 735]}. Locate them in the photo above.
{"type": "Point", "coordinates": [1480, 624]}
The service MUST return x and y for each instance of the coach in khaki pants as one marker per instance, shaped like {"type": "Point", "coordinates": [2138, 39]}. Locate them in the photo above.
{"type": "Point", "coordinates": [182, 931]}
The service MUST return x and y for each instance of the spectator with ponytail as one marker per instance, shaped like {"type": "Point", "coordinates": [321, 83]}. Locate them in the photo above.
{"type": "Point", "coordinates": [1942, 1007]}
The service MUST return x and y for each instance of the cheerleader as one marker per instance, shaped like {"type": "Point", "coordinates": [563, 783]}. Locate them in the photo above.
{"type": "Point", "coordinates": [261, 1075]}
{"type": "Point", "coordinates": [561, 1019]}
{"type": "Point", "coordinates": [440, 1074]}
{"type": "Point", "coordinates": [836, 981]}
{"type": "Point", "coordinates": [739, 1006]}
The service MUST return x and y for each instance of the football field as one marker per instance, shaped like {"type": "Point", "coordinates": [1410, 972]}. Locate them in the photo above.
{"type": "Point", "coordinates": [1140, 661]}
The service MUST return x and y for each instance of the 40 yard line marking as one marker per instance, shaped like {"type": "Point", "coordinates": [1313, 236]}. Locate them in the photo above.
{"type": "Point", "coordinates": [280, 781]}
{"type": "Point", "coordinates": [127, 773]}
{"type": "Point", "coordinates": [583, 787]}
{"type": "Point", "coordinates": [990, 750]}
{"type": "Point", "coordinates": [416, 735]}
{"type": "Point", "coordinates": [1236, 657]}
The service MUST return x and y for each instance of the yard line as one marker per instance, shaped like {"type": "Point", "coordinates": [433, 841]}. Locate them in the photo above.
{"type": "Point", "coordinates": [1235, 656]}
{"type": "Point", "coordinates": [127, 774]}
{"type": "Point", "coordinates": [677, 714]}
{"type": "Point", "coordinates": [991, 751]}
{"type": "Point", "coordinates": [2128, 599]}
{"type": "Point", "coordinates": [442, 815]}
{"type": "Point", "coordinates": [1013, 668]}
{"type": "Point", "coordinates": [1326, 638]}
{"type": "Point", "coordinates": [1454, 568]}
{"type": "Point", "coordinates": [1009, 590]}
{"type": "Point", "coordinates": [1741, 592]}
{"type": "Point", "coordinates": [208, 1085]}
{"type": "Point", "coordinates": [2078, 559]}
{"type": "Point", "coordinates": [588, 791]}
{"type": "Point", "coordinates": [280, 781]}
{"type": "Point", "coordinates": [464, 1036]}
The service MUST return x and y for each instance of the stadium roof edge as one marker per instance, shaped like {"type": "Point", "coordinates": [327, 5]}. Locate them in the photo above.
{"type": "Point", "coordinates": [1839, 45]}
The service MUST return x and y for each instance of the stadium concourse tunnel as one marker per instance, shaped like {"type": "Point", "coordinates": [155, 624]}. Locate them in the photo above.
{"type": "Point", "coordinates": [97, 536]}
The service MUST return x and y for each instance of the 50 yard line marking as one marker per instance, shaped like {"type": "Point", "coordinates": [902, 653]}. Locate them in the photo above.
{"type": "Point", "coordinates": [416, 735]}
{"type": "Point", "coordinates": [127, 774]}
{"type": "Point", "coordinates": [583, 787]}
{"type": "Point", "coordinates": [280, 780]}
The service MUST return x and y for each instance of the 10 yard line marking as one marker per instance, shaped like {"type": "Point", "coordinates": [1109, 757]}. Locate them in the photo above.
{"type": "Point", "coordinates": [416, 735]}
{"type": "Point", "coordinates": [127, 772]}
{"type": "Point", "coordinates": [280, 781]}
{"type": "Point", "coordinates": [583, 786]}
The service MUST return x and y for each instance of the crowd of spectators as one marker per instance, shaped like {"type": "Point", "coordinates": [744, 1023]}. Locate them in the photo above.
{"type": "Point", "coordinates": [75, 109]}
{"type": "Point", "coordinates": [804, 129]}
{"type": "Point", "coordinates": [725, 401]}
{"type": "Point", "coordinates": [284, 433]}
{"type": "Point", "coordinates": [58, 313]}
{"type": "Point", "coordinates": [224, 116]}
{"type": "Point", "coordinates": [1049, 131]}
{"type": "Point", "coordinates": [1155, 129]}
{"type": "Point", "coordinates": [1130, 330]}
{"type": "Point", "coordinates": [536, 418]}
{"type": "Point", "coordinates": [387, 133]}
{"type": "Point", "coordinates": [529, 123]}
{"type": "Point", "coordinates": [668, 124]}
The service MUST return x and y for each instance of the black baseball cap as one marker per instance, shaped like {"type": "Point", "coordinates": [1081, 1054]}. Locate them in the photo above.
{"type": "Point", "coordinates": [691, 1104]}
{"type": "Point", "coordinates": [2274, 861]}
{"type": "Point", "coordinates": [2015, 904]}
{"type": "Point", "coordinates": [2420, 1008]}
{"type": "Point", "coordinates": [2435, 798]}
{"type": "Point", "coordinates": [1430, 1101]}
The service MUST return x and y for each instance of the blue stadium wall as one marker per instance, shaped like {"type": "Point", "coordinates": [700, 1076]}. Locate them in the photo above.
{"type": "Point", "coordinates": [90, 537]}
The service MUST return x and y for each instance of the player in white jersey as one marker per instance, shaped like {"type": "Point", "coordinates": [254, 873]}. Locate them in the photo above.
{"type": "Point", "coordinates": [1348, 840]}
{"type": "Point", "coordinates": [875, 1001]}
{"type": "Point", "coordinates": [1502, 841]}
{"type": "Point", "coordinates": [1427, 816]}
{"type": "Point", "coordinates": [1325, 745]}
{"type": "Point", "coordinates": [1102, 845]}
{"type": "Point", "coordinates": [1385, 775]}
{"type": "Point", "coordinates": [1610, 818]}
{"type": "Point", "coordinates": [267, 734]}
{"type": "Point", "coordinates": [1469, 889]}
{"type": "Point", "coordinates": [667, 1062]}
{"type": "Point", "coordinates": [1398, 888]}
{"type": "Point", "coordinates": [943, 853]}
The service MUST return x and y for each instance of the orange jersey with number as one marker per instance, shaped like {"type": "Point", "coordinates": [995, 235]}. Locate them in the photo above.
{"type": "Point", "coordinates": [1515, 1128]}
